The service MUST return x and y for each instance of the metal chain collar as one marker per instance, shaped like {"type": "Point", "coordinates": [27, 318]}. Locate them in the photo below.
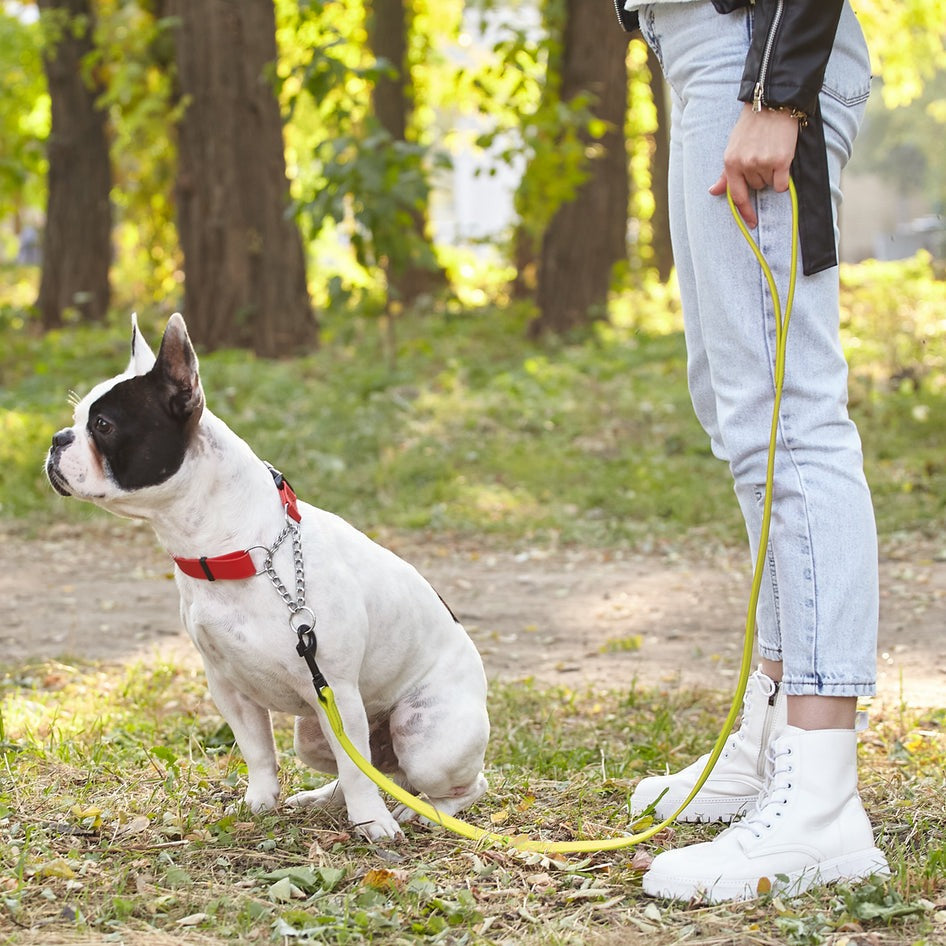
{"type": "Point", "coordinates": [292, 528]}
{"type": "Point", "coordinates": [301, 617]}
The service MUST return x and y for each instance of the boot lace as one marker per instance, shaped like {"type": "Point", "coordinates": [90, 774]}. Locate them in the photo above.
{"type": "Point", "coordinates": [775, 793]}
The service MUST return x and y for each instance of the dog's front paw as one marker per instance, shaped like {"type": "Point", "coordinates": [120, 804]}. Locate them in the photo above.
{"type": "Point", "coordinates": [383, 828]}
{"type": "Point", "coordinates": [261, 800]}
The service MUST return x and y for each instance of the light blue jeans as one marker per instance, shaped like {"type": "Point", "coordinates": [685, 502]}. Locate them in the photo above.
{"type": "Point", "coordinates": [818, 609]}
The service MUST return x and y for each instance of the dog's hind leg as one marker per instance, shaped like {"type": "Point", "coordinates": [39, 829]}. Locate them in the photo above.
{"type": "Point", "coordinates": [329, 795]}
{"type": "Point", "coordinates": [440, 744]}
{"type": "Point", "coordinates": [452, 805]}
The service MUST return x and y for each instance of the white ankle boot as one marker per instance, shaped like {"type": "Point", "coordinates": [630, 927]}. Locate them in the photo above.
{"type": "Point", "coordinates": [808, 827]}
{"type": "Point", "coordinates": [737, 777]}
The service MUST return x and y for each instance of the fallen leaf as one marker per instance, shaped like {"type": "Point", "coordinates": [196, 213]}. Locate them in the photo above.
{"type": "Point", "coordinates": [338, 837]}
{"type": "Point", "coordinates": [56, 868]}
{"type": "Point", "coordinates": [309, 879]}
{"type": "Point", "coordinates": [92, 815]}
{"type": "Point", "coordinates": [641, 860]}
{"type": "Point", "coordinates": [379, 878]}
{"type": "Point", "coordinates": [282, 890]}
{"type": "Point", "coordinates": [137, 824]}
{"type": "Point", "coordinates": [652, 912]}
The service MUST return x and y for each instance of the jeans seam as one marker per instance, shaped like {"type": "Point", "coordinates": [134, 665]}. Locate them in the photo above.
{"type": "Point", "coordinates": [785, 447]}
{"type": "Point", "coordinates": [848, 101]}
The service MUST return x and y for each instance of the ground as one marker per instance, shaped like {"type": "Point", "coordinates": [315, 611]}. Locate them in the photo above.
{"type": "Point", "coordinates": [570, 617]}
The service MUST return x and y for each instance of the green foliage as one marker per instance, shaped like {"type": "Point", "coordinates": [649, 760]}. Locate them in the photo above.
{"type": "Point", "coordinates": [372, 186]}
{"type": "Point", "coordinates": [895, 339]}
{"type": "Point", "coordinates": [473, 430]}
{"type": "Point", "coordinates": [24, 115]}
{"type": "Point", "coordinates": [361, 185]}
{"type": "Point", "coordinates": [355, 189]}
{"type": "Point", "coordinates": [893, 322]}
{"type": "Point", "coordinates": [907, 44]}
{"type": "Point", "coordinates": [517, 92]}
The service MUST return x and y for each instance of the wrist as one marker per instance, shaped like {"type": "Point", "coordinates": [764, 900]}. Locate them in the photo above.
{"type": "Point", "coordinates": [796, 113]}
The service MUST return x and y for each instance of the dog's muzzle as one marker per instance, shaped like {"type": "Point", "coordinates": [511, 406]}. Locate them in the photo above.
{"type": "Point", "coordinates": [58, 482]}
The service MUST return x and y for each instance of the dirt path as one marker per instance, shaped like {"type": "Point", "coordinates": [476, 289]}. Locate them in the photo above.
{"type": "Point", "coordinates": [569, 617]}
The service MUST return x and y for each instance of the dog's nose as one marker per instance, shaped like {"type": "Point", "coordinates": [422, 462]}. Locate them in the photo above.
{"type": "Point", "coordinates": [62, 439]}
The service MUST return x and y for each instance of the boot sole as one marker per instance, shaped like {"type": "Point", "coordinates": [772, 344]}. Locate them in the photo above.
{"type": "Point", "coordinates": [855, 866]}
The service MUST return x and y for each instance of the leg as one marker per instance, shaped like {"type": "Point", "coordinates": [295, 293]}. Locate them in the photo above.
{"type": "Point", "coordinates": [252, 726]}
{"type": "Point", "coordinates": [738, 776]}
{"type": "Point", "coordinates": [440, 740]}
{"type": "Point", "coordinates": [821, 587]}
{"type": "Point", "coordinates": [366, 810]}
{"type": "Point", "coordinates": [808, 827]}
{"type": "Point", "coordinates": [813, 711]}
{"type": "Point", "coordinates": [807, 823]}
{"type": "Point", "coordinates": [312, 748]}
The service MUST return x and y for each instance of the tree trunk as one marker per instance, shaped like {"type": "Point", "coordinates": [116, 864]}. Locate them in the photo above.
{"type": "Point", "coordinates": [245, 280]}
{"type": "Point", "coordinates": [391, 101]}
{"type": "Point", "coordinates": [588, 235]}
{"type": "Point", "coordinates": [659, 172]}
{"type": "Point", "coordinates": [77, 236]}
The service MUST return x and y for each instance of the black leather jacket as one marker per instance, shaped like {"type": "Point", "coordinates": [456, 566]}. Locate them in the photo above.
{"type": "Point", "coordinates": [791, 43]}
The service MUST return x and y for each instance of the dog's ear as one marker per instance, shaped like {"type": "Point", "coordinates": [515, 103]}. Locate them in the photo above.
{"type": "Point", "coordinates": [176, 366]}
{"type": "Point", "coordinates": [142, 357]}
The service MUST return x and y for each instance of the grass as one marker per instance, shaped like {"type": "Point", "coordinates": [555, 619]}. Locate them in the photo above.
{"type": "Point", "coordinates": [119, 821]}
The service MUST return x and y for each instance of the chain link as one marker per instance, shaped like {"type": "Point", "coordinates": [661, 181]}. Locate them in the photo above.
{"type": "Point", "coordinates": [297, 603]}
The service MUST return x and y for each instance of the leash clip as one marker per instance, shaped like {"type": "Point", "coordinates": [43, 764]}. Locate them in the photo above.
{"type": "Point", "coordinates": [307, 646]}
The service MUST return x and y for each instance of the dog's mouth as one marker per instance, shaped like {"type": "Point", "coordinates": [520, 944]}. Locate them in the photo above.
{"type": "Point", "coordinates": [56, 479]}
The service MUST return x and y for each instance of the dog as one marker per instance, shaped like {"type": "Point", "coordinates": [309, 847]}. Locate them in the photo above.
{"type": "Point", "coordinates": [408, 680]}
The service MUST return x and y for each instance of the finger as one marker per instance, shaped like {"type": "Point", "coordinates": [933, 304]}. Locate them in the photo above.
{"type": "Point", "coordinates": [756, 181]}
{"type": "Point", "coordinates": [743, 200]}
{"type": "Point", "coordinates": [780, 178]}
{"type": "Point", "coordinates": [719, 188]}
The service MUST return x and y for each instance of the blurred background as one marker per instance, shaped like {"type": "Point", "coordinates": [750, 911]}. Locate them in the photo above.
{"type": "Point", "coordinates": [432, 239]}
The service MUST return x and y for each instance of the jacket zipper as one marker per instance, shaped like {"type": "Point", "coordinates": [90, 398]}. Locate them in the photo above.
{"type": "Point", "coordinates": [759, 92]}
{"type": "Point", "coordinates": [767, 729]}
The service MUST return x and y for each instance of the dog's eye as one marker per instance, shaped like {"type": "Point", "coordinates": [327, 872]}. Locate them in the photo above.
{"type": "Point", "coordinates": [101, 426]}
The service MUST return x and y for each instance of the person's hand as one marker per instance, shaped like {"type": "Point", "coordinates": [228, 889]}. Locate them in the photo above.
{"type": "Point", "coordinates": [759, 155]}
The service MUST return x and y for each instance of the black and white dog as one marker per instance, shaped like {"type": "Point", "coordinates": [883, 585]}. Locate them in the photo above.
{"type": "Point", "coordinates": [408, 681]}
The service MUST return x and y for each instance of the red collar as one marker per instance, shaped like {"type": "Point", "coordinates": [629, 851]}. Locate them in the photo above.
{"type": "Point", "coordinates": [237, 565]}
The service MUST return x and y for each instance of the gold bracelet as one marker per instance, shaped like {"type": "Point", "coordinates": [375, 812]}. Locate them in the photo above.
{"type": "Point", "coordinates": [796, 113]}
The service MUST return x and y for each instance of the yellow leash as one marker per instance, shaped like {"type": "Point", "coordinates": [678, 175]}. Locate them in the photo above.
{"type": "Point", "coordinates": [481, 835]}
